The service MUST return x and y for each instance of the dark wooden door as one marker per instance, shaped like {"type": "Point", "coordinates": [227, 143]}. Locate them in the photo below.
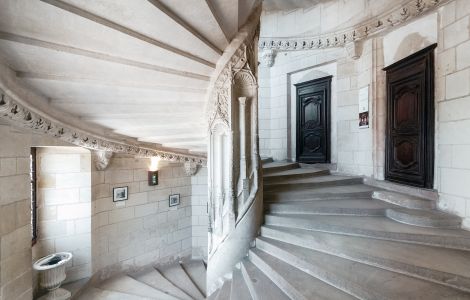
{"type": "Point", "coordinates": [313, 128]}
{"type": "Point", "coordinates": [410, 120]}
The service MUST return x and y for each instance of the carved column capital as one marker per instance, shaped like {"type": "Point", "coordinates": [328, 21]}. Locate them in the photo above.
{"type": "Point", "coordinates": [190, 168]}
{"type": "Point", "coordinates": [101, 159]}
{"type": "Point", "coordinates": [268, 57]}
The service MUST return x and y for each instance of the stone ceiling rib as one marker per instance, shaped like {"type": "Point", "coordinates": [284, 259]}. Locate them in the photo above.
{"type": "Point", "coordinates": [185, 25]}
{"type": "Point", "coordinates": [101, 81]}
{"type": "Point", "coordinates": [218, 20]}
{"type": "Point", "coordinates": [96, 55]}
{"type": "Point", "coordinates": [134, 34]}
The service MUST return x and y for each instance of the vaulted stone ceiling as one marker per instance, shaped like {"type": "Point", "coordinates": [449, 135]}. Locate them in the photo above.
{"type": "Point", "coordinates": [140, 69]}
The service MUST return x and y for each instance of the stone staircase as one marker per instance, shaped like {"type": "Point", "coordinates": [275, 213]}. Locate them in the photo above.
{"type": "Point", "coordinates": [183, 281]}
{"type": "Point", "coordinates": [333, 237]}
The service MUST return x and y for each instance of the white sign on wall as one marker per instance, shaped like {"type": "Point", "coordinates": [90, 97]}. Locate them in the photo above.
{"type": "Point", "coordinates": [364, 107]}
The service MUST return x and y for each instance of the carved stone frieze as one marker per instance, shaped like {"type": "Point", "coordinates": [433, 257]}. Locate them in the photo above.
{"type": "Point", "coordinates": [101, 159]}
{"type": "Point", "coordinates": [26, 118]}
{"type": "Point", "coordinates": [392, 18]}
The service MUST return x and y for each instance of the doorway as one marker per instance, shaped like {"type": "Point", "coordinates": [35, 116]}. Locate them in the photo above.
{"type": "Point", "coordinates": [409, 156]}
{"type": "Point", "coordinates": [313, 121]}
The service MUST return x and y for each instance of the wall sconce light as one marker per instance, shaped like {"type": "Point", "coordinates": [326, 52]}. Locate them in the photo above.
{"type": "Point", "coordinates": [153, 171]}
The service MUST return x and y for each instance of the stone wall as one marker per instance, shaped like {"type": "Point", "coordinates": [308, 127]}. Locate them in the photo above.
{"type": "Point", "coordinates": [453, 109]}
{"type": "Point", "coordinates": [361, 151]}
{"type": "Point", "coordinates": [64, 207]}
{"type": "Point", "coordinates": [15, 211]}
{"type": "Point", "coordinates": [200, 218]}
{"type": "Point", "coordinates": [145, 229]}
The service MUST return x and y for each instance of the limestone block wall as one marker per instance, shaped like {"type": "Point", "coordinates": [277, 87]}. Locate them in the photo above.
{"type": "Point", "coordinates": [355, 146]}
{"type": "Point", "coordinates": [361, 151]}
{"type": "Point", "coordinates": [64, 207]}
{"type": "Point", "coordinates": [15, 212]}
{"type": "Point", "coordinates": [200, 218]}
{"type": "Point", "coordinates": [453, 109]}
{"type": "Point", "coordinates": [145, 229]}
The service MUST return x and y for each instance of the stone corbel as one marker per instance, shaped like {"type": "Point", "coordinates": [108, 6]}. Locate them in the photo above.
{"type": "Point", "coordinates": [268, 57]}
{"type": "Point", "coordinates": [354, 49]}
{"type": "Point", "coordinates": [101, 159]}
{"type": "Point", "coordinates": [190, 168]}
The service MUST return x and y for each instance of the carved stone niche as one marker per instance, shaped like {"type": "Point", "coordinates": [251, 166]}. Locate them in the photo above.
{"type": "Point", "coordinates": [101, 159]}
{"type": "Point", "coordinates": [190, 168]}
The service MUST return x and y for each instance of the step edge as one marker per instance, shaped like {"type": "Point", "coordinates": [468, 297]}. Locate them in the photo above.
{"type": "Point", "coordinates": [275, 277]}
{"type": "Point", "coordinates": [400, 267]}
{"type": "Point", "coordinates": [375, 234]}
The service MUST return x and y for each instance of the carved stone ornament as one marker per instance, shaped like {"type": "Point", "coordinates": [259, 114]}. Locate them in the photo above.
{"type": "Point", "coordinates": [268, 57]}
{"type": "Point", "coordinates": [190, 168]}
{"type": "Point", "coordinates": [354, 49]}
{"type": "Point", "coordinates": [392, 18]}
{"type": "Point", "coordinates": [40, 122]}
{"type": "Point", "coordinates": [101, 159]}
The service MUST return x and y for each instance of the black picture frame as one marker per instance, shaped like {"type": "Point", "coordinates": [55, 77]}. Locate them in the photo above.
{"type": "Point", "coordinates": [174, 200]}
{"type": "Point", "coordinates": [120, 193]}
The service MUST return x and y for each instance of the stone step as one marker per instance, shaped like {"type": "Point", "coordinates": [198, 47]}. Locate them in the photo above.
{"type": "Point", "coordinates": [92, 293]}
{"type": "Point", "coordinates": [424, 218]}
{"type": "Point", "coordinates": [355, 207]}
{"type": "Point", "coordinates": [224, 292]}
{"type": "Point", "coordinates": [357, 279]}
{"type": "Point", "coordinates": [295, 283]}
{"type": "Point", "coordinates": [444, 266]}
{"type": "Point", "coordinates": [176, 275]}
{"type": "Point", "coordinates": [266, 160]}
{"type": "Point", "coordinates": [374, 227]}
{"type": "Point", "coordinates": [239, 289]}
{"type": "Point", "coordinates": [197, 272]}
{"type": "Point", "coordinates": [313, 183]}
{"type": "Point", "coordinates": [404, 200]}
{"type": "Point", "coordinates": [214, 295]}
{"type": "Point", "coordinates": [155, 279]}
{"type": "Point", "coordinates": [334, 193]}
{"type": "Point", "coordinates": [128, 285]}
{"type": "Point", "coordinates": [259, 285]}
{"type": "Point", "coordinates": [293, 174]}
{"type": "Point", "coordinates": [279, 166]}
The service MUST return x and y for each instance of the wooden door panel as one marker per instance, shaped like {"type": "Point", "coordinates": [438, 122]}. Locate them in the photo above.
{"type": "Point", "coordinates": [410, 120]}
{"type": "Point", "coordinates": [313, 121]}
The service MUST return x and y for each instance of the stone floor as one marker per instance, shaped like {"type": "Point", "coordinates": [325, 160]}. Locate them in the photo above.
{"type": "Point", "coordinates": [333, 237]}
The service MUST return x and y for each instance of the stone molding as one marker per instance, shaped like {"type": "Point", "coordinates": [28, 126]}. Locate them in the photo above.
{"type": "Point", "coordinates": [42, 123]}
{"type": "Point", "coordinates": [373, 26]}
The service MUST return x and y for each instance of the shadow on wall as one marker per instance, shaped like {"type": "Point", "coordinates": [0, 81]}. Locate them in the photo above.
{"type": "Point", "coordinates": [412, 43]}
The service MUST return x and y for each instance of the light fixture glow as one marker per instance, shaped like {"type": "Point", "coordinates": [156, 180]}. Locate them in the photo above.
{"type": "Point", "coordinates": [154, 163]}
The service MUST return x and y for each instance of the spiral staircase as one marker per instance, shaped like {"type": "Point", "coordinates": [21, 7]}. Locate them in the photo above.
{"type": "Point", "coordinates": [327, 236]}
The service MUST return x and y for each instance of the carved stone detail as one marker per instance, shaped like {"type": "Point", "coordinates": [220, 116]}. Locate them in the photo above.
{"type": "Point", "coordinates": [268, 57]}
{"type": "Point", "coordinates": [190, 168]}
{"type": "Point", "coordinates": [39, 122]}
{"type": "Point", "coordinates": [101, 159]}
{"type": "Point", "coordinates": [392, 18]}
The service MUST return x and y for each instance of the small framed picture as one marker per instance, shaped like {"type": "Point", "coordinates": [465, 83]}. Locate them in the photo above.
{"type": "Point", "coordinates": [174, 200]}
{"type": "Point", "coordinates": [120, 194]}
